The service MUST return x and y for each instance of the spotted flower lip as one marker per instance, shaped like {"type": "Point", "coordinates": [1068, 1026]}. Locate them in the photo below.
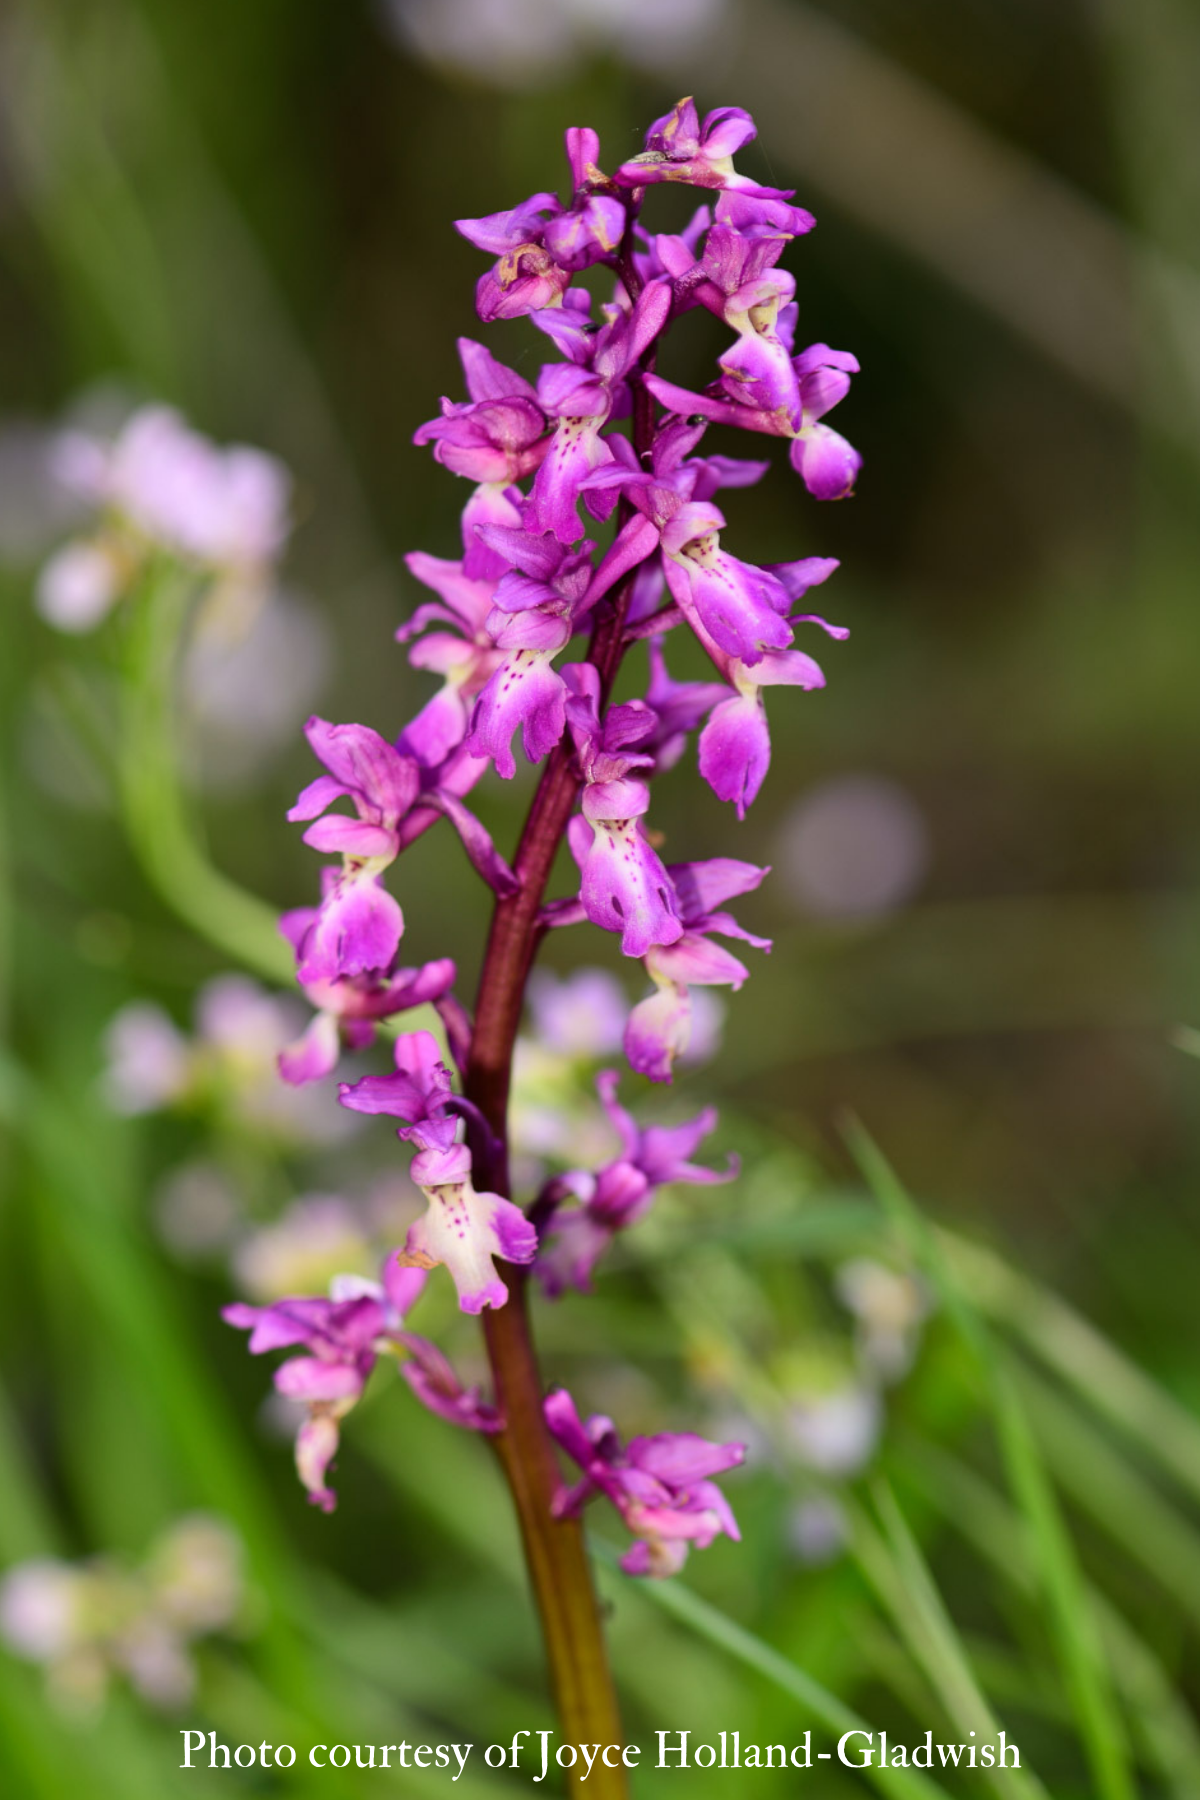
{"type": "Point", "coordinates": [662, 1486]}
{"type": "Point", "coordinates": [463, 1229]}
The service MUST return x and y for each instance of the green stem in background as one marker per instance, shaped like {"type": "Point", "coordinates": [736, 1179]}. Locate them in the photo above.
{"type": "Point", "coordinates": [1075, 1631]}
{"type": "Point", "coordinates": [157, 817]}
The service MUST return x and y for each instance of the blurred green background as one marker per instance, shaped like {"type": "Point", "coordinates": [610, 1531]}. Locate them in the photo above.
{"type": "Point", "coordinates": [984, 834]}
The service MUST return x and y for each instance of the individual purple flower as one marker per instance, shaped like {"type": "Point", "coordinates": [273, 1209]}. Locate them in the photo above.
{"type": "Point", "coordinates": [464, 656]}
{"type": "Point", "coordinates": [540, 243]}
{"type": "Point", "coordinates": [618, 1194]}
{"type": "Point", "coordinates": [546, 595]}
{"type": "Point", "coordinates": [340, 1338]}
{"type": "Point", "coordinates": [358, 925]}
{"type": "Point", "coordinates": [826, 463]}
{"type": "Point", "coordinates": [736, 279]}
{"type": "Point", "coordinates": [525, 276]}
{"type": "Point", "coordinates": [659, 1026]}
{"type": "Point", "coordinates": [680, 148]}
{"type": "Point", "coordinates": [662, 1486]}
{"type": "Point", "coordinates": [463, 1229]}
{"type": "Point", "coordinates": [735, 745]}
{"type": "Point", "coordinates": [498, 436]}
{"type": "Point", "coordinates": [582, 394]}
{"type": "Point", "coordinates": [623, 885]}
{"type": "Point", "coordinates": [350, 1008]}
{"type": "Point", "coordinates": [740, 607]}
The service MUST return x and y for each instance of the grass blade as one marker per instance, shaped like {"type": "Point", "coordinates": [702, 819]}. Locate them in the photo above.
{"type": "Point", "coordinates": [1080, 1651]}
{"type": "Point", "coordinates": [900, 1575]}
{"type": "Point", "coordinates": [709, 1622]}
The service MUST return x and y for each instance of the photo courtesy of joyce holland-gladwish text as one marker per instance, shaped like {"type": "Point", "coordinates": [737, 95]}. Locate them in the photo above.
{"type": "Point", "coordinates": [539, 1753]}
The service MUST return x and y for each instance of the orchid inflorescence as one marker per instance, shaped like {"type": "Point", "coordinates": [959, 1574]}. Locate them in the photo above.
{"type": "Point", "coordinates": [530, 581]}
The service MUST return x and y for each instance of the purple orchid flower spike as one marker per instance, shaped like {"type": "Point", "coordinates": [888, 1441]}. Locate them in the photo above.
{"type": "Point", "coordinates": [341, 1338]}
{"type": "Point", "coordinates": [540, 243]}
{"type": "Point", "coordinates": [826, 463]}
{"type": "Point", "coordinates": [618, 1194]}
{"type": "Point", "coordinates": [582, 394]}
{"type": "Point", "coordinates": [662, 1486]}
{"type": "Point", "coordinates": [463, 1229]}
{"type": "Point", "coordinates": [349, 1010]}
{"type": "Point", "coordinates": [596, 427]}
{"type": "Point", "coordinates": [659, 1026]}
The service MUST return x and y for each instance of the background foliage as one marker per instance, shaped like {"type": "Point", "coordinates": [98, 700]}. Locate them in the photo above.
{"type": "Point", "coordinates": [246, 211]}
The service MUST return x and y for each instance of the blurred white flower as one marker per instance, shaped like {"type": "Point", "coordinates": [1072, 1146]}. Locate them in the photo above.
{"type": "Point", "coordinates": [86, 1621]}
{"type": "Point", "coordinates": [817, 1530]}
{"type": "Point", "coordinates": [582, 1014]}
{"type": "Point", "coordinates": [149, 1061]}
{"type": "Point", "coordinates": [40, 1608]}
{"type": "Point", "coordinates": [229, 1065]}
{"type": "Point", "coordinates": [196, 1210]}
{"type": "Point", "coordinates": [249, 673]}
{"type": "Point", "coordinates": [835, 1433]}
{"type": "Point", "coordinates": [195, 1571]}
{"type": "Point", "coordinates": [855, 847]}
{"type": "Point", "coordinates": [157, 485]}
{"type": "Point", "coordinates": [524, 43]}
{"type": "Point", "coordinates": [319, 1236]}
{"type": "Point", "coordinates": [78, 586]}
{"type": "Point", "coordinates": [889, 1307]}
